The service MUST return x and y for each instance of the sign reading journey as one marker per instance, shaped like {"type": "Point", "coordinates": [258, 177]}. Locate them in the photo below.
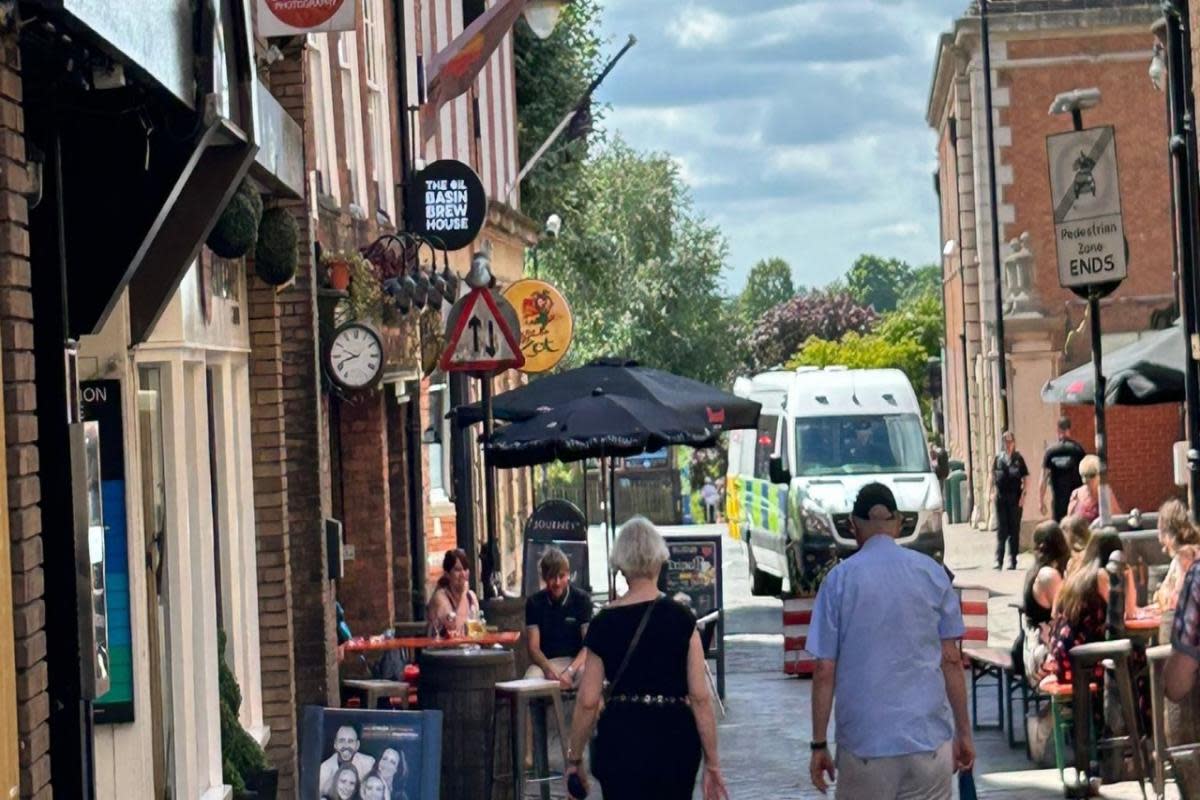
{"type": "Point", "coordinates": [546, 323]}
{"type": "Point", "coordinates": [1088, 228]}
{"type": "Point", "coordinates": [556, 523]}
{"type": "Point", "coordinates": [449, 204]}
{"type": "Point", "coordinates": [293, 17]}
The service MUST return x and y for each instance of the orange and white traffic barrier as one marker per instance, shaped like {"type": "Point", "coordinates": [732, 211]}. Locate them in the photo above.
{"type": "Point", "coordinates": [797, 614]}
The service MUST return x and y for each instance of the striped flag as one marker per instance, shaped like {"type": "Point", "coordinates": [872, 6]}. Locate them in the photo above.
{"type": "Point", "coordinates": [453, 70]}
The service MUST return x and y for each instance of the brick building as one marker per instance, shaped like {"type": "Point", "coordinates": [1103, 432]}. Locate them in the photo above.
{"type": "Point", "coordinates": [1040, 48]}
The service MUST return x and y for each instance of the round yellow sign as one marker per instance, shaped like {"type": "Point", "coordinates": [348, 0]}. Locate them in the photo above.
{"type": "Point", "coordinates": [546, 323]}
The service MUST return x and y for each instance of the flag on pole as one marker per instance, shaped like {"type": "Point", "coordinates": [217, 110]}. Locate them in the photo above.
{"type": "Point", "coordinates": [453, 70]}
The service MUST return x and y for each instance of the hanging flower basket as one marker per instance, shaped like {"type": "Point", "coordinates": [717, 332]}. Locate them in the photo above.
{"type": "Point", "coordinates": [236, 230]}
{"type": "Point", "coordinates": [276, 256]}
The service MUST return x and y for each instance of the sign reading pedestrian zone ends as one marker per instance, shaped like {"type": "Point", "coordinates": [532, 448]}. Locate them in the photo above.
{"type": "Point", "coordinates": [1088, 229]}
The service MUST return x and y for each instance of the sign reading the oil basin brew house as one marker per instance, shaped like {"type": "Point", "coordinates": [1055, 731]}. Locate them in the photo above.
{"type": "Point", "coordinates": [546, 323]}
{"type": "Point", "coordinates": [1088, 229]}
{"type": "Point", "coordinates": [449, 204]}
{"type": "Point", "coordinates": [294, 17]}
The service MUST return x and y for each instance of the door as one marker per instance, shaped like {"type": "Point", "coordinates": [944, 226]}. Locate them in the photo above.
{"type": "Point", "coordinates": [153, 493]}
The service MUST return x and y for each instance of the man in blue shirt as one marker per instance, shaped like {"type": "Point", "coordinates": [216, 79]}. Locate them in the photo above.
{"type": "Point", "coordinates": [885, 630]}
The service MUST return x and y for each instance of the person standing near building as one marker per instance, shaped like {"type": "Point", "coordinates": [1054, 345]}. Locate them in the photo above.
{"type": "Point", "coordinates": [1009, 474]}
{"type": "Point", "coordinates": [885, 630]}
{"type": "Point", "coordinates": [1060, 470]}
{"type": "Point", "coordinates": [708, 493]}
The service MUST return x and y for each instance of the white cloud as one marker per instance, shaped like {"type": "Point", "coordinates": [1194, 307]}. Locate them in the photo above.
{"type": "Point", "coordinates": [897, 230]}
{"type": "Point", "coordinates": [694, 28]}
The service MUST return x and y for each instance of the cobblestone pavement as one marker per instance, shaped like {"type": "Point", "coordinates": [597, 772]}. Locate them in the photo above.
{"type": "Point", "coordinates": [767, 727]}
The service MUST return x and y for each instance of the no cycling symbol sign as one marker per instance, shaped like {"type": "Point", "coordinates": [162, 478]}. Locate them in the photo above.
{"type": "Point", "coordinates": [1089, 232]}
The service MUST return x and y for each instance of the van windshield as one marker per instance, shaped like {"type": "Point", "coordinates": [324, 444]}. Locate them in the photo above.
{"type": "Point", "coordinates": [860, 444]}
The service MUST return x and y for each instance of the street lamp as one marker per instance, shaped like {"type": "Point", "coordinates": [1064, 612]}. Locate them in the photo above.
{"type": "Point", "coordinates": [542, 16]}
{"type": "Point", "coordinates": [1073, 103]}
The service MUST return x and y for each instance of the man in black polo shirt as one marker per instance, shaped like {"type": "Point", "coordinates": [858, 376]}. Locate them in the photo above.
{"type": "Point", "coordinates": [556, 621]}
{"type": "Point", "coordinates": [1060, 469]}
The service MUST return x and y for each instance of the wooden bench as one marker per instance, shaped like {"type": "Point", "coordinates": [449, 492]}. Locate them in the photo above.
{"type": "Point", "coordinates": [991, 663]}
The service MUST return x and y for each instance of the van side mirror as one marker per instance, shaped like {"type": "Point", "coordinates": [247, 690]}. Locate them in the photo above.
{"type": "Point", "coordinates": [777, 471]}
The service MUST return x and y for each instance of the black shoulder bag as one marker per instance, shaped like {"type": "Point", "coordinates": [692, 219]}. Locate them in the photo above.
{"type": "Point", "coordinates": [633, 643]}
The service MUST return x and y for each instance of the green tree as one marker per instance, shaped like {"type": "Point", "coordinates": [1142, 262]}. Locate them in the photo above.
{"type": "Point", "coordinates": [878, 282]}
{"type": "Point", "coordinates": [768, 284]}
{"type": "Point", "coordinates": [926, 280]}
{"type": "Point", "coordinates": [641, 269]}
{"type": "Point", "coordinates": [865, 351]}
{"type": "Point", "coordinates": [552, 74]}
{"type": "Point", "coordinates": [780, 332]}
{"type": "Point", "coordinates": [920, 320]}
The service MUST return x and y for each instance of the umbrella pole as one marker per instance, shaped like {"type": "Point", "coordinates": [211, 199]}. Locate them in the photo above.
{"type": "Point", "coordinates": [604, 521]}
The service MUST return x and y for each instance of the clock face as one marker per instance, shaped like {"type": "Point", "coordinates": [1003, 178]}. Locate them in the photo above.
{"type": "Point", "coordinates": [356, 356]}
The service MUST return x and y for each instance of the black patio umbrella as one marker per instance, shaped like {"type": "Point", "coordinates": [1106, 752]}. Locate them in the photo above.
{"type": "Point", "coordinates": [598, 425]}
{"type": "Point", "coordinates": [700, 404]}
{"type": "Point", "coordinates": [1149, 371]}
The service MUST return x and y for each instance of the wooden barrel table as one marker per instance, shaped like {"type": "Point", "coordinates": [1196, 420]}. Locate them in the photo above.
{"type": "Point", "coordinates": [461, 684]}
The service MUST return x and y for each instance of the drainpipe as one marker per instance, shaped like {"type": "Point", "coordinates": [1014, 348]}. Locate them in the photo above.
{"type": "Point", "coordinates": [963, 335]}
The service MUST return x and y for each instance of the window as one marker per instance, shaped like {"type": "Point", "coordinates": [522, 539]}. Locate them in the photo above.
{"type": "Point", "coordinates": [377, 105]}
{"type": "Point", "coordinates": [764, 445]}
{"type": "Point", "coordinates": [472, 10]}
{"type": "Point", "coordinates": [352, 151]}
{"type": "Point", "coordinates": [322, 106]}
{"type": "Point", "coordinates": [437, 443]}
{"type": "Point", "coordinates": [857, 445]}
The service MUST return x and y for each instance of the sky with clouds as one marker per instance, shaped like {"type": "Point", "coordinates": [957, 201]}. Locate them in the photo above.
{"type": "Point", "coordinates": [798, 124]}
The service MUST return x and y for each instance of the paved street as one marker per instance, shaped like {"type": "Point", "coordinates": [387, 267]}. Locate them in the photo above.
{"type": "Point", "coordinates": [765, 734]}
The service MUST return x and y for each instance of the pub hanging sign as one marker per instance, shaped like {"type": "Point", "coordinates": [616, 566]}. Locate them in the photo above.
{"type": "Point", "coordinates": [295, 17]}
{"type": "Point", "coordinates": [449, 205]}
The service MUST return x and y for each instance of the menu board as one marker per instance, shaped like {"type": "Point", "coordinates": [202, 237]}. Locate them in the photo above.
{"type": "Point", "coordinates": [694, 569]}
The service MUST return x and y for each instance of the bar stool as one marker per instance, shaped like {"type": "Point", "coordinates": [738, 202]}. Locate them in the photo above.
{"type": "Point", "coordinates": [1061, 711]}
{"type": "Point", "coordinates": [1083, 658]}
{"type": "Point", "coordinates": [528, 700]}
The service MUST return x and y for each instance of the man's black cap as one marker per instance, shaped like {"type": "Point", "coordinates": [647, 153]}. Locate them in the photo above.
{"type": "Point", "coordinates": [871, 495]}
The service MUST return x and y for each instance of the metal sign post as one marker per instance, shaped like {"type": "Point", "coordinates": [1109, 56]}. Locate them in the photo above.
{"type": "Point", "coordinates": [1089, 234]}
{"type": "Point", "coordinates": [483, 341]}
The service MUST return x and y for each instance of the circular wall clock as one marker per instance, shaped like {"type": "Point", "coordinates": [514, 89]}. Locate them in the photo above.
{"type": "Point", "coordinates": [355, 356]}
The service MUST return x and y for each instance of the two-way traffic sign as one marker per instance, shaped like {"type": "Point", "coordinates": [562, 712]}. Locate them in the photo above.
{"type": "Point", "coordinates": [481, 337]}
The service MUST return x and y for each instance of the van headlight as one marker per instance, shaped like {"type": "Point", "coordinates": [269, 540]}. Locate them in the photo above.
{"type": "Point", "coordinates": [818, 523]}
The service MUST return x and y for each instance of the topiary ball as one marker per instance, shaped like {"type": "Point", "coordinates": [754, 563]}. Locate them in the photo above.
{"type": "Point", "coordinates": [236, 229]}
{"type": "Point", "coordinates": [276, 256]}
{"type": "Point", "coordinates": [251, 193]}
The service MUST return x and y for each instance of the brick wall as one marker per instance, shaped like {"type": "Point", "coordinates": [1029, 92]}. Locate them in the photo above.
{"type": "Point", "coordinates": [305, 433]}
{"type": "Point", "coordinates": [20, 408]}
{"type": "Point", "coordinates": [272, 529]}
{"type": "Point", "coordinates": [1140, 441]}
{"type": "Point", "coordinates": [365, 591]}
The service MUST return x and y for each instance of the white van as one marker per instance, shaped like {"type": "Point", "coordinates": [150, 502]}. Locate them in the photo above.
{"type": "Point", "coordinates": [823, 434]}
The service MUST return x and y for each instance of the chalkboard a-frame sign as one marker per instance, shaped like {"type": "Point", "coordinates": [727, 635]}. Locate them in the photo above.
{"type": "Point", "coordinates": [693, 569]}
{"type": "Point", "coordinates": [448, 204]}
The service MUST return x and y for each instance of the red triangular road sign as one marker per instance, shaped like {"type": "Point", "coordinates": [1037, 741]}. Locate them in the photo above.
{"type": "Point", "coordinates": [482, 340]}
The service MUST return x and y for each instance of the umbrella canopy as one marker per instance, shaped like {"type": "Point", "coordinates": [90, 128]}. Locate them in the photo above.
{"type": "Point", "coordinates": [597, 425]}
{"type": "Point", "coordinates": [1149, 371]}
{"type": "Point", "coordinates": [701, 405]}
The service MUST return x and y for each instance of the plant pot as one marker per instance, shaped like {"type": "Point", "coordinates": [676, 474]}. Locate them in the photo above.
{"type": "Point", "coordinates": [262, 785]}
{"type": "Point", "coordinates": [339, 275]}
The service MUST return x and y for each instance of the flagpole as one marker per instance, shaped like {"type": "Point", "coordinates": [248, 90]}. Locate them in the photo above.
{"type": "Point", "coordinates": [584, 100]}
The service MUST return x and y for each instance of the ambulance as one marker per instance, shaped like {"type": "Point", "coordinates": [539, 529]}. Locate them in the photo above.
{"type": "Point", "coordinates": [822, 435]}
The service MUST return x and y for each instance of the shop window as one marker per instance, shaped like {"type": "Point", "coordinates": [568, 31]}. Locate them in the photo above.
{"type": "Point", "coordinates": [352, 149]}
{"type": "Point", "coordinates": [378, 116]}
{"type": "Point", "coordinates": [437, 443]}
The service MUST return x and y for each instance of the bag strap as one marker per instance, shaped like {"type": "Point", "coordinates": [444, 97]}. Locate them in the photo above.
{"type": "Point", "coordinates": [633, 643]}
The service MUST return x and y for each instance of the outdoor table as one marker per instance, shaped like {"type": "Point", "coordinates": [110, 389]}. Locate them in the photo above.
{"type": "Point", "coordinates": [461, 684]}
{"type": "Point", "coordinates": [503, 638]}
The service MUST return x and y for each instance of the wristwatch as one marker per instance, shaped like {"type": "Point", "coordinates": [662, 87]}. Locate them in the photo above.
{"type": "Point", "coordinates": [821, 745]}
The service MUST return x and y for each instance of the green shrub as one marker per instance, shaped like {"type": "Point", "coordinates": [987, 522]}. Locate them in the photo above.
{"type": "Point", "coordinates": [236, 230]}
{"type": "Point", "coordinates": [240, 754]}
{"type": "Point", "coordinates": [275, 257]}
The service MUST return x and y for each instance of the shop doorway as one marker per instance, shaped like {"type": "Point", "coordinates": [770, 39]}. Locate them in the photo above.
{"type": "Point", "coordinates": [153, 494]}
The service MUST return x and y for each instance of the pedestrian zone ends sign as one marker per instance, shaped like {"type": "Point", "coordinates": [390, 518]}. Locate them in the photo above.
{"type": "Point", "coordinates": [1089, 232]}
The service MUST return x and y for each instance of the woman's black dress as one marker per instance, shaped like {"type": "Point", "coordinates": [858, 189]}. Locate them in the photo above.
{"type": "Point", "coordinates": [649, 751]}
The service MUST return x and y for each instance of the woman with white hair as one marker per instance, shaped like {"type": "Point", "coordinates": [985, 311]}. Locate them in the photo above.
{"type": "Point", "coordinates": [657, 716]}
{"type": "Point", "coordinates": [1085, 501]}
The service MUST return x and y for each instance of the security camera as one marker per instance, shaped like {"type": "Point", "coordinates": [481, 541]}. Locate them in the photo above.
{"type": "Point", "coordinates": [553, 225]}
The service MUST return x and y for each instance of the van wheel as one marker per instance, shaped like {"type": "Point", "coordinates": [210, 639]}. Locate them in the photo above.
{"type": "Point", "coordinates": [762, 584]}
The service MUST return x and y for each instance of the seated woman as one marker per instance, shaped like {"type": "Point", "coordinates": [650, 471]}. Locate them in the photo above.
{"type": "Point", "coordinates": [556, 622]}
{"type": "Point", "coordinates": [1180, 540]}
{"type": "Point", "coordinates": [1085, 501]}
{"type": "Point", "coordinates": [452, 602]}
{"type": "Point", "coordinates": [1082, 613]}
{"type": "Point", "coordinates": [1045, 577]}
{"type": "Point", "coordinates": [1078, 533]}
